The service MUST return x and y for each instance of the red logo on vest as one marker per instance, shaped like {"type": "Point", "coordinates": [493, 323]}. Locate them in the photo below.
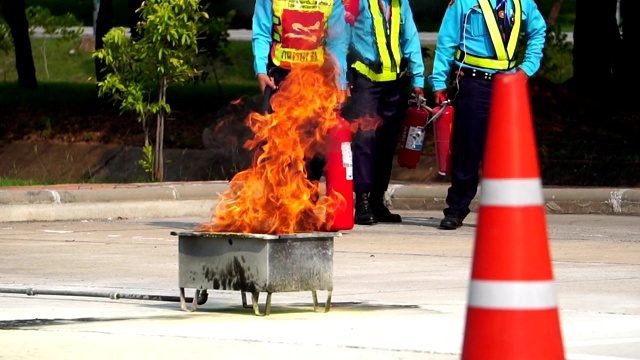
{"type": "Point", "coordinates": [302, 30]}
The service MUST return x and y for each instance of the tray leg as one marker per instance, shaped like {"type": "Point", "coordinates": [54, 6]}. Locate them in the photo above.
{"type": "Point", "coordinates": [200, 298]}
{"type": "Point", "coordinates": [244, 300]}
{"type": "Point", "coordinates": [327, 304]}
{"type": "Point", "coordinates": [194, 303]}
{"type": "Point", "coordinates": [183, 301]}
{"type": "Point", "coordinates": [256, 306]}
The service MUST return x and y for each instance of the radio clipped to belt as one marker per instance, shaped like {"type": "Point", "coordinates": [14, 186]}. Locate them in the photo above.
{"type": "Point", "coordinates": [418, 116]}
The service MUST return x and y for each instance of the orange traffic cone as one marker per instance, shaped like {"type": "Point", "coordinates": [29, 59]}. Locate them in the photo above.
{"type": "Point", "coordinates": [512, 306]}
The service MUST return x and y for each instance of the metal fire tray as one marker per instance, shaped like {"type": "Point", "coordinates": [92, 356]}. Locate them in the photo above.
{"type": "Point", "coordinates": [255, 263]}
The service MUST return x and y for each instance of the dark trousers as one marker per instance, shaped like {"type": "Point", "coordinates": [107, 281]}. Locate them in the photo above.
{"type": "Point", "coordinates": [315, 166]}
{"type": "Point", "coordinates": [373, 150]}
{"type": "Point", "coordinates": [470, 122]}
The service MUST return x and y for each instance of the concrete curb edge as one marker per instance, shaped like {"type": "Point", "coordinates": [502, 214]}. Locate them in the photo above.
{"type": "Point", "coordinates": [198, 199]}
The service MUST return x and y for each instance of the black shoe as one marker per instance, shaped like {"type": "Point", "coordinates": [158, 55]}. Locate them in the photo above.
{"type": "Point", "coordinates": [450, 222]}
{"type": "Point", "coordinates": [364, 215]}
{"type": "Point", "coordinates": [381, 212]}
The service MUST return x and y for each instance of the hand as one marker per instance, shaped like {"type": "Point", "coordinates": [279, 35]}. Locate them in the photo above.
{"type": "Point", "coordinates": [343, 95]}
{"type": "Point", "coordinates": [418, 92]}
{"type": "Point", "coordinates": [264, 80]}
{"type": "Point", "coordinates": [522, 72]}
{"type": "Point", "coordinates": [440, 96]}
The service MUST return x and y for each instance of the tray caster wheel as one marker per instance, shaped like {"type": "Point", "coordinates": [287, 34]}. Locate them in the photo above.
{"type": "Point", "coordinates": [204, 296]}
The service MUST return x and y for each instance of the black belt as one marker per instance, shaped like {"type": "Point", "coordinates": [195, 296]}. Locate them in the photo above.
{"type": "Point", "coordinates": [477, 73]}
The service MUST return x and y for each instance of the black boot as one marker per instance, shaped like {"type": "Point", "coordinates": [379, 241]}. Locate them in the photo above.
{"type": "Point", "coordinates": [364, 215]}
{"type": "Point", "coordinates": [380, 211]}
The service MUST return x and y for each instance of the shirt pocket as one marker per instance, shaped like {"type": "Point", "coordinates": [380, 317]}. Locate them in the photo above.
{"type": "Point", "coordinates": [475, 23]}
{"type": "Point", "coordinates": [367, 24]}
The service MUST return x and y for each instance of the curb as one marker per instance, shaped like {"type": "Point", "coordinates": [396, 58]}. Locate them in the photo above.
{"type": "Point", "coordinates": [198, 199]}
{"type": "Point", "coordinates": [605, 201]}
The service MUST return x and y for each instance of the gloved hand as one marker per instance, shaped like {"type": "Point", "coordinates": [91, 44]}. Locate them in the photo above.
{"type": "Point", "coordinates": [440, 96]}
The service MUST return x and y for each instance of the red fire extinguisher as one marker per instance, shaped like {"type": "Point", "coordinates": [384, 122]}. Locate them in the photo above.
{"type": "Point", "coordinates": [413, 131]}
{"type": "Point", "coordinates": [442, 135]}
{"type": "Point", "coordinates": [412, 134]}
{"type": "Point", "coordinates": [339, 173]}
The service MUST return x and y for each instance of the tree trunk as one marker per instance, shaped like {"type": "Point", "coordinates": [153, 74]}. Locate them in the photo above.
{"type": "Point", "coordinates": [596, 46]}
{"type": "Point", "coordinates": [16, 17]}
{"type": "Point", "coordinates": [630, 40]}
{"type": "Point", "coordinates": [159, 148]}
{"type": "Point", "coordinates": [104, 22]}
{"type": "Point", "coordinates": [553, 13]}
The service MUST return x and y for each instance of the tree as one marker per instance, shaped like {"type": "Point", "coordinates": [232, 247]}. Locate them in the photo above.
{"type": "Point", "coordinates": [596, 36]}
{"type": "Point", "coordinates": [142, 68]}
{"type": "Point", "coordinates": [65, 27]}
{"type": "Point", "coordinates": [16, 17]}
{"type": "Point", "coordinates": [630, 39]}
{"type": "Point", "coordinates": [554, 12]}
{"type": "Point", "coordinates": [104, 22]}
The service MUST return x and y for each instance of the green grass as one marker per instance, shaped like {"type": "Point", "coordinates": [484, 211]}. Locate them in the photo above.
{"type": "Point", "coordinates": [17, 182]}
{"type": "Point", "coordinates": [57, 60]}
{"type": "Point", "coordinates": [53, 62]}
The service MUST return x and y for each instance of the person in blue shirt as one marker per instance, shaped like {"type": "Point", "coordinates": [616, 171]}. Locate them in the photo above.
{"type": "Point", "coordinates": [286, 33]}
{"type": "Point", "coordinates": [477, 39]}
{"type": "Point", "coordinates": [384, 58]}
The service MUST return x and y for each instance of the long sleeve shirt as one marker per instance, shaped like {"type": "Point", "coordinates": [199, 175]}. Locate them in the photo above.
{"type": "Point", "coordinates": [336, 37]}
{"type": "Point", "coordinates": [363, 39]}
{"type": "Point", "coordinates": [463, 27]}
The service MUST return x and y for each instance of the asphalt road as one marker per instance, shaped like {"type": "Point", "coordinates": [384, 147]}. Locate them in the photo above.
{"type": "Point", "coordinates": [399, 292]}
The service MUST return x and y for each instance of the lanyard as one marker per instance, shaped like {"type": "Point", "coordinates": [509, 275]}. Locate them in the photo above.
{"type": "Point", "coordinates": [386, 10]}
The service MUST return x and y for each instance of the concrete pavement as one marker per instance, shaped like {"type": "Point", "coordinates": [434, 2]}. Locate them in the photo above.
{"type": "Point", "coordinates": [399, 292]}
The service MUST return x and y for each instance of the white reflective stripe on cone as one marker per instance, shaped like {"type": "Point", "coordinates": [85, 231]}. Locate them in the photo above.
{"type": "Point", "coordinates": [512, 295]}
{"type": "Point", "coordinates": [511, 192]}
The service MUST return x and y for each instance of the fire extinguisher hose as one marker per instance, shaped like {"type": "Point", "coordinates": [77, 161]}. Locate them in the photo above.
{"type": "Point", "coordinates": [420, 102]}
{"type": "Point", "coordinates": [445, 105]}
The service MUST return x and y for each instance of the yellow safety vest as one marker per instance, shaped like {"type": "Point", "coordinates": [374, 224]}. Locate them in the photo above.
{"type": "Point", "coordinates": [505, 50]}
{"type": "Point", "coordinates": [388, 44]}
{"type": "Point", "coordinates": [299, 29]}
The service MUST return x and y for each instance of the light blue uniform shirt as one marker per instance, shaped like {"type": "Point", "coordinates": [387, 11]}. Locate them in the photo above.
{"type": "Point", "coordinates": [337, 37]}
{"type": "Point", "coordinates": [363, 39]}
{"type": "Point", "coordinates": [464, 27]}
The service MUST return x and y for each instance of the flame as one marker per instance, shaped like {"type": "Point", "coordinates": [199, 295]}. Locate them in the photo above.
{"type": "Point", "coordinates": [274, 196]}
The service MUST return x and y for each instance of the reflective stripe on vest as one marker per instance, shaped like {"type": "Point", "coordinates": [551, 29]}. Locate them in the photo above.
{"type": "Point", "coordinates": [505, 53]}
{"type": "Point", "coordinates": [299, 33]}
{"type": "Point", "coordinates": [387, 41]}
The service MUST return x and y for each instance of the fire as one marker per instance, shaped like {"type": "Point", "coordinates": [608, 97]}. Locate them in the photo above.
{"type": "Point", "coordinates": [274, 196]}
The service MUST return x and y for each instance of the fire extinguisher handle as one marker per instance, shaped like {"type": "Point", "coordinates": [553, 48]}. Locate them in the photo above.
{"type": "Point", "coordinates": [417, 100]}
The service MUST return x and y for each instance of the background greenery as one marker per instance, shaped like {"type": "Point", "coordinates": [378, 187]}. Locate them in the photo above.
{"type": "Point", "coordinates": [587, 144]}
{"type": "Point", "coordinates": [427, 13]}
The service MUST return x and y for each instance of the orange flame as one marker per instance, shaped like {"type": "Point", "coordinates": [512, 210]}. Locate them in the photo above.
{"type": "Point", "coordinates": [274, 195]}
